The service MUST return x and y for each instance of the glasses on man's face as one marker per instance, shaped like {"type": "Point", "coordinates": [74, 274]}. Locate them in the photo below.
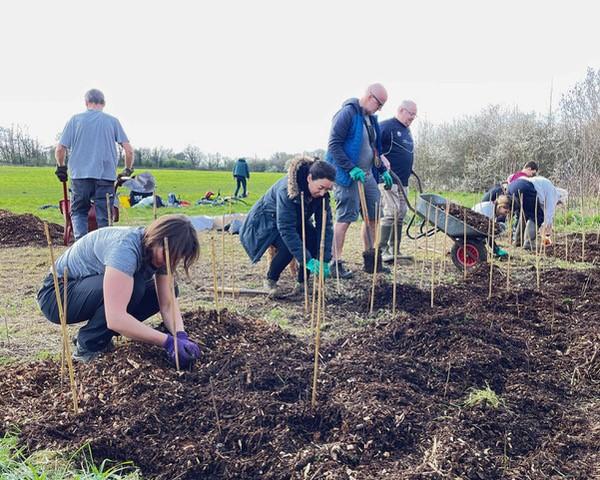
{"type": "Point", "coordinates": [410, 114]}
{"type": "Point", "coordinates": [379, 102]}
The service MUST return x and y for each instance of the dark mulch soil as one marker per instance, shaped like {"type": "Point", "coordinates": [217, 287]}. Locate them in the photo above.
{"type": "Point", "coordinates": [476, 220]}
{"type": "Point", "coordinates": [571, 248]}
{"type": "Point", "coordinates": [26, 230]}
{"type": "Point", "coordinates": [391, 396]}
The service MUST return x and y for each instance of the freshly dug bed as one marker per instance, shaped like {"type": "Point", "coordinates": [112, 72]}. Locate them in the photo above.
{"type": "Point", "coordinates": [26, 230]}
{"type": "Point", "coordinates": [391, 398]}
{"type": "Point", "coordinates": [572, 249]}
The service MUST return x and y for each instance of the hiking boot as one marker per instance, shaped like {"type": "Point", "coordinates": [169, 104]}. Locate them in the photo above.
{"type": "Point", "coordinates": [273, 289]}
{"type": "Point", "coordinates": [83, 355]}
{"type": "Point", "coordinates": [337, 268]}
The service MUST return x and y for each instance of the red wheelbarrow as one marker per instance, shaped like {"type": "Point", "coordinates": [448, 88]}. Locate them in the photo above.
{"type": "Point", "coordinates": [65, 208]}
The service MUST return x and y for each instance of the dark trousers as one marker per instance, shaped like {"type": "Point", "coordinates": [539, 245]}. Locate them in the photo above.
{"type": "Point", "coordinates": [241, 182]}
{"type": "Point", "coordinates": [525, 195]}
{"type": "Point", "coordinates": [83, 191]}
{"type": "Point", "coordinates": [283, 256]}
{"type": "Point", "coordinates": [85, 301]}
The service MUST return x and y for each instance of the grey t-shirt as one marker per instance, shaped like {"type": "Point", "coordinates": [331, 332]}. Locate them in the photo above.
{"type": "Point", "coordinates": [365, 159]}
{"type": "Point", "coordinates": [117, 247]}
{"type": "Point", "coordinates": [91, 138]}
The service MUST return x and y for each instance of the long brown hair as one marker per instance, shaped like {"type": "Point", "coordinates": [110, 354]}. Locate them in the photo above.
{"type": "Point", "coordinates": [183, 239]}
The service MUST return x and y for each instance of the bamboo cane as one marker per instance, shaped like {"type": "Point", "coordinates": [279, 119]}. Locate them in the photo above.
{"type": "Point", "coordinates": [223, 258]}
{"type": "Point", "coordinates": [65, 305]}
{"type": "Point", "coordinates": [583, 246]}
{"type": "Point", "coordinates": [521, 218]}
{"type": "Point", "coordinates": [320, 311]}
{"type": "Point", "coordinates": [493, 228]}
{"type": "Point", "coordinates": [415, 247]}
{"type": "Point", "coordinates": [214, 272]}
{"type": "Point", "coordinates": [537, 257]}
{"type": "Point", "coordinates": [109, 210]}
{"type": "Point", "coordinates": [304, 253]}
{"type": "Point", "coordinates": [426, 247]}
{"type": "Point", "coordinates": [510, 230]}
{"type": "Point", "coordinates": [465, 244]}
{"type": "Point", "coordinates": [232, 256]}
{"type": "Point", "coordinates": [433, 258]}
{"type": "Point", "coordinates": [443, 269]}
{"type": "Point", "coordinates": [395, 274]}
{"type": "Point", "coordinates": [376, 257]}
{"type": "Point", "coordinates": [173, 300]}
{"type": "Point", "coordinates": [62, 322]}
{"type": "Point", "coordinates": [154, 204]}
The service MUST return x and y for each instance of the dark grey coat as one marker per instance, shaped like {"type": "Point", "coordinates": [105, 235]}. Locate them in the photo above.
{"type": "Point", "coordinates": [278, 213]}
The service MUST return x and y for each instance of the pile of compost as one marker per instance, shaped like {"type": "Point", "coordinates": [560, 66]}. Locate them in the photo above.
{"type": "Point", "coordinates": [473, 219]}
{"type": "Point", "coordinates": [26, 230]}
{"type": "Point", "coordinates": [391, 397]}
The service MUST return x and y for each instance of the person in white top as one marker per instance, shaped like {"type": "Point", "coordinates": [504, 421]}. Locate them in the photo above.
{"type": "Point", "coordinates": [498, 208]}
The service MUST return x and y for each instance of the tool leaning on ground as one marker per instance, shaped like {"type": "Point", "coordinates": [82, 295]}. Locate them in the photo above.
{"type": "Point", "coordinates": [469, 247]}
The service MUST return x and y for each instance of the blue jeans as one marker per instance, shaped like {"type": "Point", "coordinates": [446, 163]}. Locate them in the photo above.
{"type": "Point", "coordinates": [83, 192]}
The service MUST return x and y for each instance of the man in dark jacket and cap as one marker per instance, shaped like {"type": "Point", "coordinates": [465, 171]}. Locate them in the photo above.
{"type": "Point", "coordinates": [276, 219]}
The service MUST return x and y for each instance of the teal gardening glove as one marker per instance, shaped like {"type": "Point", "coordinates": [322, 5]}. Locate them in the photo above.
{"type": "Point", "coordinates": [387, 180]}
{"type": "Point", "coordinates": [313, 266]}
{"type": "Point", "coordinates": [357, 174]}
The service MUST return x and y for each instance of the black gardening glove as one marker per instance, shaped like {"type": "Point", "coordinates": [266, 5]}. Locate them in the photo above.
{"type": "Point", "coordinates": [124, 176]}
{"type": "Point", "coordinates": [62, 173]}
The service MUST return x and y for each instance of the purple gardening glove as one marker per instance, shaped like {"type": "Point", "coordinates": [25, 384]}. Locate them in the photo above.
{"type": "Point", "coordinates": [188, 350]}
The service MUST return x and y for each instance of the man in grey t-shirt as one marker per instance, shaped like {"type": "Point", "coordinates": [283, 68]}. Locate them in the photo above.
{"type": "Point", "coordinates": [91, 138]}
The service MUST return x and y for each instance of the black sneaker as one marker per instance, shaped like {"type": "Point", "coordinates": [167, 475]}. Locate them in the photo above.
{"type": "Point", "coordinates": [340, 270]}
{"type": "Point", "coordinates": [81, 354]}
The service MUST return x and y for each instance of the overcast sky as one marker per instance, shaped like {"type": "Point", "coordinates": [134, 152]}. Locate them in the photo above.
{"type": "Point", "coordinates": [255, 77]}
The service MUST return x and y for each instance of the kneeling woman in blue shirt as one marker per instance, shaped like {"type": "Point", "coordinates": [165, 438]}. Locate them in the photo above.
{"type": "Point", "coordinates": [111, 285]}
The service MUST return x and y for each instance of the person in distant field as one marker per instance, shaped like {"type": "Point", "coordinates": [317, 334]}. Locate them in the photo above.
{"type": "Point", "coordinates": [529, 170]}
{"type": "Point", "coordinates": [117, 279]}
{"type": "Point", "coordinates": [241, 172]}
{"type": "Point", "coordinates": [354, 150]}
{"type": "Point", "coordinates": [397, 155]}
{"type": "Point", "coordinates": [529, 192]}
{"type": "Point", "coordinates": [90, 138]}
{"type": "Point", "coordinates": [276, 219]}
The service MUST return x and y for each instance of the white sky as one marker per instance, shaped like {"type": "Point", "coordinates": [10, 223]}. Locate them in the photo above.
{"type": "Point", "coordinates": [256, 77]}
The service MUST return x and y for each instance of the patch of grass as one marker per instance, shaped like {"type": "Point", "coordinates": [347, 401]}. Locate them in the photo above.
{"type": "Point", "coordinates": [46, 355]}
{"type": "Point", "coordinates": [47, 465]}
{"type": "Point", "coordinates": [278, 316]}
{"type": "Point", "coordinates": [484, 397]}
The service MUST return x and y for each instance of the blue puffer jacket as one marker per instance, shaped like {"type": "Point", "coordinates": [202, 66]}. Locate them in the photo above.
{"type": "Point", "coordinates": [278, 213]}
{"type": "Point", "coordinates": [345, 141]}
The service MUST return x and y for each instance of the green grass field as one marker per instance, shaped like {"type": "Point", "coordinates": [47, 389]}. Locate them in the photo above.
{"type": "Point", "coordinates": [26, 189]}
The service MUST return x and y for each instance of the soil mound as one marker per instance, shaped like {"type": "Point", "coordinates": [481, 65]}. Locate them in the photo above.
{"type": "Point", "coordinates": [391, 397]}
{"type": "Point", "coordinates": [26, 230]}
{"type": "Point", "coordinates": [571, 248]}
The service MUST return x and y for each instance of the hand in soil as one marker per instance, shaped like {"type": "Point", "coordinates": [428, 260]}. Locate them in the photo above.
{"type": "Point", "coordinates": [188, 351]}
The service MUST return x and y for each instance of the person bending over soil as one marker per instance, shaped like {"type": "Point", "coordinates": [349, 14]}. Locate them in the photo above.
{"type": "Point", "coordinates": [276, 220]}
{"type": "Point", "coordinates": [117, 279]}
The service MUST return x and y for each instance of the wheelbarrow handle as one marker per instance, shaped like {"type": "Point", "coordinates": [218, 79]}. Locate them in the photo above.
{"type": "Point", "coordinates": [398, 182]}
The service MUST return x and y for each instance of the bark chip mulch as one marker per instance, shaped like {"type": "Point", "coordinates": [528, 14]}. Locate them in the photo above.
{"type": "Point", "coordinates": [26, 230]}
{"type": "Point", "coordinates": [391, 397]}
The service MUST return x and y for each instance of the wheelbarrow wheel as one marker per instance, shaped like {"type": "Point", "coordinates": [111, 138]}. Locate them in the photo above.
{"type": "Point", "coordinates": [471, 254]}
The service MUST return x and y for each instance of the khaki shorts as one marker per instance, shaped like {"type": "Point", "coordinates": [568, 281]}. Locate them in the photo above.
{"type": "Point", "coordinates": [392, 200]}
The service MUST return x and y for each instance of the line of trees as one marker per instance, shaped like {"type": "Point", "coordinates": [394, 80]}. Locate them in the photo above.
{"type": "Point", "coordinates": [470, 153]}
